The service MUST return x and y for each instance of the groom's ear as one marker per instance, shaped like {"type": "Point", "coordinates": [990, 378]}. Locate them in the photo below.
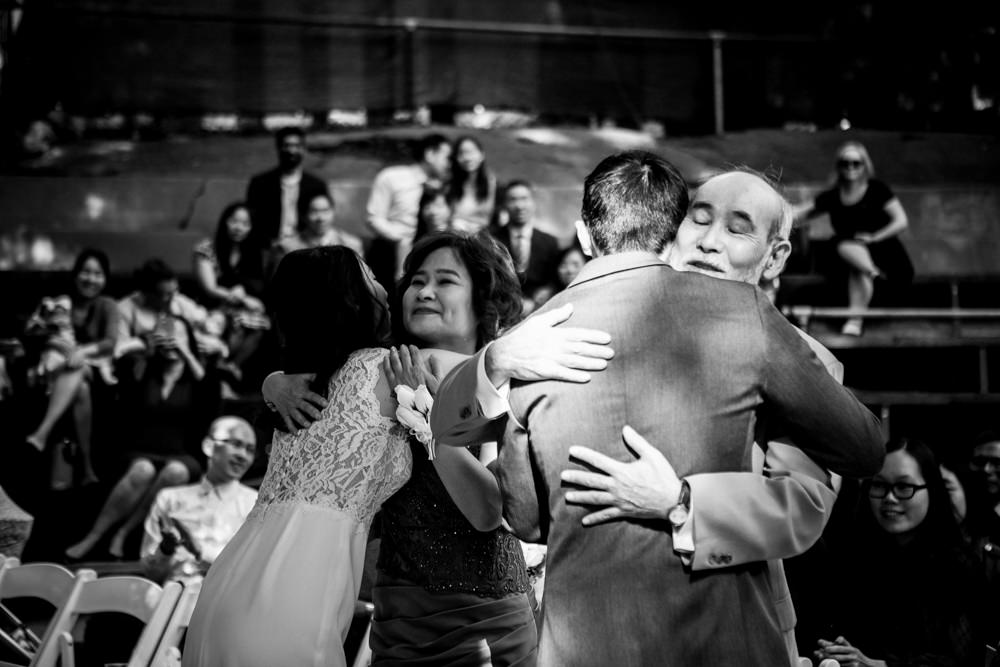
{"type": "Point", "coordinates": [583, 235]}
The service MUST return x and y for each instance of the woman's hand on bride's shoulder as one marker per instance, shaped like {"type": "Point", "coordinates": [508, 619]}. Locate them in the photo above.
{"type": "Point", "coordinates": [407, 365]}
{"type": "Point", "coordinates": [293, 400]}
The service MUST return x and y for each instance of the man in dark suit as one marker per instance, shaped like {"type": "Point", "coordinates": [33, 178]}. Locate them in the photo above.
{"type": "Point", "coordinates": [278, 197]}
{"type": "Point", "coordinates": [697, 362]}
{"type": "Point", "coordinates": [535, 253]}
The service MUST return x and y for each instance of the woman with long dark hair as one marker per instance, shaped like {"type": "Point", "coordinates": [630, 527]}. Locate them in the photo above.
{"type": "Point", "coordinates": [229, 269]}
{"type": "Point", "coordinates": [282, 592]}
{"type": "Point", "coordinates": [82, 354]}
{"type": "Point", "coordinates": [912, 591]}
{"type": "Point", "coordinates": [472, 191]}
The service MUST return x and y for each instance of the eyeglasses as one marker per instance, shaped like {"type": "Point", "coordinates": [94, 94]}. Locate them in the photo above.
{"type": "Point", "coordinates": [849, 164]}
{"type": "Point", "coordinates": [249, 447]}
{"type": "Point", "coordinates": [987, 463]}
{"type": "Point", "coordinates": [901, 490]}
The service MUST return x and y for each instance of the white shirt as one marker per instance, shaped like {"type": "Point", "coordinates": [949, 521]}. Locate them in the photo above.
{"type": "Point", "coordinates": [289, 203]}
{"type": "Point", "coordinates": [211, 514]}
{"type": "Point", "coordinates": [520, 246]}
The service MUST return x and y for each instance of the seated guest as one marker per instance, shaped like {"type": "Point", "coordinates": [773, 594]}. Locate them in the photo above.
{"type": "Point", "coordinates": [163, 416]}
{"type": "Point", "coordinates": [79, 331]}
{"type": "Point", "coordinates": [277, 196]}
{"type": "Point", "coordinates": [142, 313]}
{"type": "Point", "coordinates": [867, 219]}
{"type": "Point", "coordinates": [983, 516]}
{"type": "Point", "coordinates": [571, 260]}
{"type": "Point", "coordinates": [229, 269]}
{"type": "Point", "coordinates": [188, 526]}
{"type": "Point", "coordinates": [534, 252]}
{"type": "Point", "coordinates": [316, 228]}
{"type": "Point", "coordinates": [472, 190]}
{"type": "Point", "coordinates": [913, 592]}
{"type": "Point", "coordinates": [434, 214]}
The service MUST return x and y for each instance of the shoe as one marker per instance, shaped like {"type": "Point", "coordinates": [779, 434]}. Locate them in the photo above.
{"type": "Point", "coordinates": [852, 327]}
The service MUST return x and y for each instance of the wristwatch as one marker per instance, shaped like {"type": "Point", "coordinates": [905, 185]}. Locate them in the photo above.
{"type": "Point", "coordinates": [678, 514]}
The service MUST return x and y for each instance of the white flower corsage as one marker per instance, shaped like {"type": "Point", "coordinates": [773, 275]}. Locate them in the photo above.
{"type": "Point", "coordinates": [414, 412]}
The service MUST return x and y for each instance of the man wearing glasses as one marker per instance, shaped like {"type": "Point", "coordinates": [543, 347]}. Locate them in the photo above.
{"type": "Point", "coordinates": [984, 505]}
{"type": "Point", "coordinates": [188, 526]}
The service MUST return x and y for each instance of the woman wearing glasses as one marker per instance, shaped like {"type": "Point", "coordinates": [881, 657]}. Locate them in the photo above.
{"type": "Point", "coordinates": [913, 592]}
{"type": "Point", "coordinates": [867, 219]}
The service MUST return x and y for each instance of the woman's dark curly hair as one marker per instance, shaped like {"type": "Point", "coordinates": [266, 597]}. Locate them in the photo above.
{"type": "Point", "coordinates": [496, 292]}
{"type": "Point", "coordinates": [324, 311]}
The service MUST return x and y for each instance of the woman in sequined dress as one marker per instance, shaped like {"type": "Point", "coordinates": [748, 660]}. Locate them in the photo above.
{"type": "Point", "coordinates": [452, 585]}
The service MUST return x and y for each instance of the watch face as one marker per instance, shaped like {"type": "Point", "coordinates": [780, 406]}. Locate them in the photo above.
{"type": "Point", "coordinates": [678, 515]}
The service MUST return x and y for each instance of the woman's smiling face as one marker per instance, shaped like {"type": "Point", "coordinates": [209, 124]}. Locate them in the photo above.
{"type": "Point", "coordinates": [894, 515]}
{"type": "Point", "coordinates": [437, 304]}
{"type": "Point", "coordinates": [90, 281]}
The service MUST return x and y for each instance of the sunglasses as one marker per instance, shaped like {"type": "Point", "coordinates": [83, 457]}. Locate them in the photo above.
{"type": "Point", "coordinates": [852, 164]}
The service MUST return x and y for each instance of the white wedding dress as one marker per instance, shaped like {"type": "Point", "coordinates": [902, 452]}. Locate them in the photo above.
{"type": "Point", "coordinates": [283, 591]}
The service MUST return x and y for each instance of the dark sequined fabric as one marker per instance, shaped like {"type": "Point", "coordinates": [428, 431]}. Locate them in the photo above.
{"type": "Point", "coordinates": [426, 540]}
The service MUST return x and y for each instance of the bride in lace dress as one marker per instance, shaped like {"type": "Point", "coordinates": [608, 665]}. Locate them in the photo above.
{"type": "Point", "coordinates": [283, 591]}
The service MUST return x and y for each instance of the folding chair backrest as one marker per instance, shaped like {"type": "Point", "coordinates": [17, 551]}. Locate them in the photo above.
{"type": "Point", "coordinates": [168, 652]}
{"type": "Point", "coordinates": [52, 583]}
{"type": "Point", "coordinates": [47, 581]}
{"type": "Point", "coordinates": [136, 596]}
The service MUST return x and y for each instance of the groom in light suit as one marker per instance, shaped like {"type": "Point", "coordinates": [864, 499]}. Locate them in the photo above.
{"type": "Point", "coordinates": [695, 359]}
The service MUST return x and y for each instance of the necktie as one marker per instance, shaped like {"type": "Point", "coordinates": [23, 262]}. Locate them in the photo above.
{"type": "Point", "coordinates": [519, 252]}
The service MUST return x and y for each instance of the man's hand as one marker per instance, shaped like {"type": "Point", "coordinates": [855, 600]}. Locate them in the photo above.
{"type": "Point", "coordinates": [175, 534]}
{"type": "Point", "coordinates": [405, 365]}
{"type": "Point", "coordinates": [539, 350]}
{"type": "Point", "coordinates": [290, 396]}
{"type": "Point", "coordinates": [646, 488]}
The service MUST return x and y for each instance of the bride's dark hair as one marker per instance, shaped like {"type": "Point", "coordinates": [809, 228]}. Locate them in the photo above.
{"type": "Point", "coordinates": [324, 310]}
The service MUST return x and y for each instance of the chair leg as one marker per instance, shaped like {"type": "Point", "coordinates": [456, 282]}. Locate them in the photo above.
{"type": "Point", "coordinates": [67, 658]}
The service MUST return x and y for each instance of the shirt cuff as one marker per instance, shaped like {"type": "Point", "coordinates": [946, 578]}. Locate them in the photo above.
{"type": "Point", "coordinates": [684, 536]}
{"type": "Point", "coordinates": [270, 406]}
{"type": "Point", "coordinates": [493, 401]}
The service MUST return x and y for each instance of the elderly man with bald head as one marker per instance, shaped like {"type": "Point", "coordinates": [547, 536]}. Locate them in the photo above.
{"type": "Point", "coordinates": [188, 526]}
{"type": "Point", "coordinates": [698, 364]}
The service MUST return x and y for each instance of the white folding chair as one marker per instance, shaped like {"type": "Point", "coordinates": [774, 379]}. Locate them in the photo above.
{"type": "Point", "coordinates": [136, 596]}
{"type": "Point", "coordinates": [46, 581]}
{"type": "Point", "coordinates": [168, 652]}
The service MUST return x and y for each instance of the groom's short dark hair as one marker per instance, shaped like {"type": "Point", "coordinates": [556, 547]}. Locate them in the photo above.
{"type": "Point", "coordinates": [633, 201]}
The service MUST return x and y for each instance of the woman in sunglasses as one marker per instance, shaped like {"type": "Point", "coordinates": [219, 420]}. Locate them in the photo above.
{"type": "Point", "coordinates": [867, 219]}
{"type": "Point", "coordinates": [912, 591]}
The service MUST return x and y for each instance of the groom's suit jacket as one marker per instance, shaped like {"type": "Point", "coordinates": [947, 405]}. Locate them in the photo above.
{"type": "Point", "coordinates": [697, 361]}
